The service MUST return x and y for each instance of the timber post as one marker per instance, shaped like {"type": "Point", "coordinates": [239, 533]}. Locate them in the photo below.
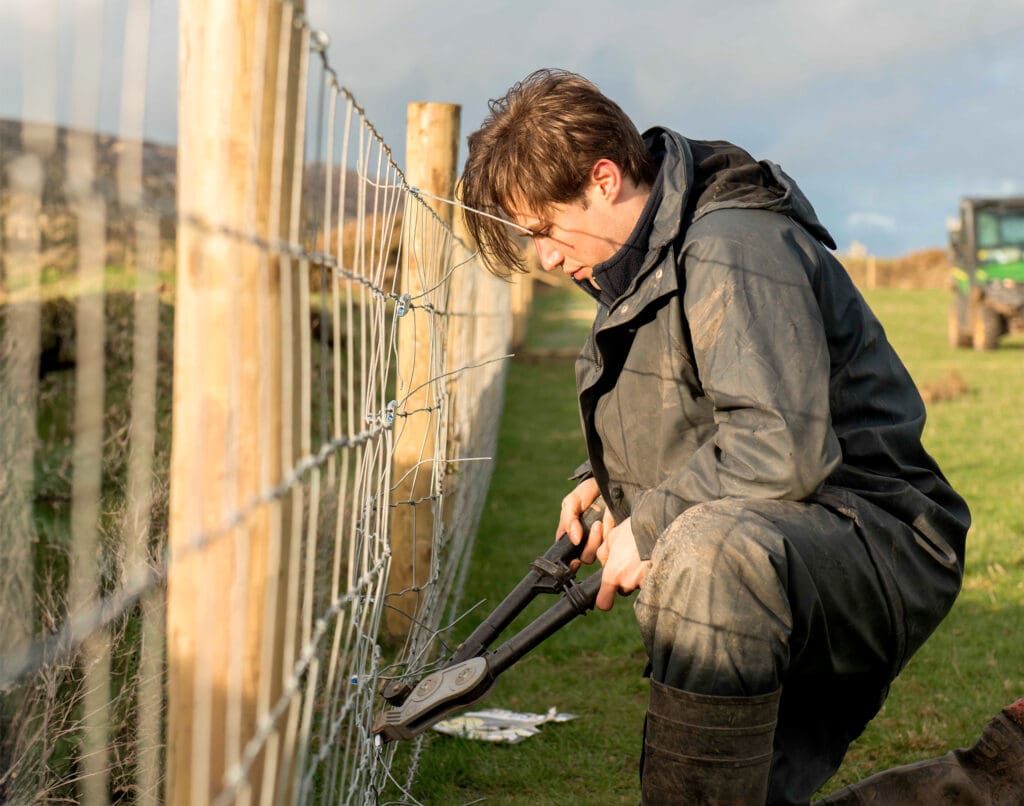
{"type": "Point", "coordinates": [432, 143]}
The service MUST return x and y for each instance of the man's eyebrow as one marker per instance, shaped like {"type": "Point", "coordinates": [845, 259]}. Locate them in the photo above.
{"type": "Point", "coordinates": [527, 225]}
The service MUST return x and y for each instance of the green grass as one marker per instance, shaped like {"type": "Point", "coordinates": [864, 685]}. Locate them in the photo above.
{"type": "Point", "coordinates": [971, 667]}
{"type": "Point", "coordinates": [974, 664]}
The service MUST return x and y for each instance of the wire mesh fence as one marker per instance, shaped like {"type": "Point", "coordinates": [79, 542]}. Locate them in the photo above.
{"type": "Point", "coordinates": [249, 392]}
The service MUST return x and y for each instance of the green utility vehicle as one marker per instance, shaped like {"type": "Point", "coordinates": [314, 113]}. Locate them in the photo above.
{"type": "Point", "coordinates": [987, 250]}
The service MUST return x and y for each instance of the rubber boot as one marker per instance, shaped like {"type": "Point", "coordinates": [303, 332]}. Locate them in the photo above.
{"type": "Point", "coordinates": [701, 749]}
{"type": "Point", "coordinates": [989, 773]}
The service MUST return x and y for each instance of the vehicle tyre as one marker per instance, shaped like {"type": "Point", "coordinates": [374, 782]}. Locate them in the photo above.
{"type": "Point", "coordinates": [988, 326]}
{"type": "Point", "coordinates": [958, 325]}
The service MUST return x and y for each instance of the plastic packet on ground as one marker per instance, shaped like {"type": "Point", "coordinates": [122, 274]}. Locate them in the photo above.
{"type": "Point", "coordinates": [499, 725]}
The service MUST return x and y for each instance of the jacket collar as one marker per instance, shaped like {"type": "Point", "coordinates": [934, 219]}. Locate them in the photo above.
{"type": "Point", "coordinates": [676, 158]}
{"type": "Point", "coordinates": [675, 155]}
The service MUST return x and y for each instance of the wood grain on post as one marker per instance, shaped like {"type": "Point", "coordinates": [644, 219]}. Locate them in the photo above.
{"type": "Point", "coordinates": [432, 144]}
{"type": "Point", "coordinates": [20, 331]}
{"type": "Point", "coordinates": [233, 157]}
{"type": "Point", "coordinates": [522, 300]}
{"type": "Point", "coordinates": [462, 286]}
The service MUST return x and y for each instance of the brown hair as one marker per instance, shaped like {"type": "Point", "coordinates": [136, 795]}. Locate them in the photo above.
{"type": "Point", "coordinates": [536, 148]}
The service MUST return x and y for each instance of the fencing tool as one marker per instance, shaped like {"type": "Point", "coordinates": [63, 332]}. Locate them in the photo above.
{"type": "Point", "coordinates": [471, 672]}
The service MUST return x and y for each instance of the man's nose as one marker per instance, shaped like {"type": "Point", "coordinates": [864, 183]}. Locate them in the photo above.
{"type": "Point", "coordinates": [550, 257]}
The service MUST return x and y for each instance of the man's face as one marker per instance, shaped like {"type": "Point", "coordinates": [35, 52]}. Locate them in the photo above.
{"type": "Point", "coordinates": [573, 237]}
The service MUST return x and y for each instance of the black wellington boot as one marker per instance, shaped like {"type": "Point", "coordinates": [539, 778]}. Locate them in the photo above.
{"type": "Point", "coordinates": [989, 773]}
{"type": "Point", "coordinates": [701, 749]}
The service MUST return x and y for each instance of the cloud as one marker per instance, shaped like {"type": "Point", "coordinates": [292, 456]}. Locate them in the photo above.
{"type": "Point", "coordinates": [677, 51]}
{"type": "Point", "coordinates": [875, 221]}
{"type": "Point", "coordinates": [871, 105]}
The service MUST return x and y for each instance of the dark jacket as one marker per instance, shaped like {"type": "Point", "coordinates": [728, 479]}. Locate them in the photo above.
{"type": "Point", "coordinates": [742, 363]}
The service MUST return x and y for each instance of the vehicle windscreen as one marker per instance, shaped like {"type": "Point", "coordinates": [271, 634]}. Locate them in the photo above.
{"type": "Point", "coordinates": [1000, 229]}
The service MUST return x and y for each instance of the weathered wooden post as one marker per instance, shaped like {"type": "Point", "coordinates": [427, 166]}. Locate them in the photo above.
{"type": "Point", "coordinates": [20, 313]}
{"type": "Point", "coordinates": [239, 98]}
{"type": "Point", "coordinates": [522, 301]}
{"type": "Point", "coordinates": [20, 330]}
{"type": "Point", "coordinates": [432, 144]}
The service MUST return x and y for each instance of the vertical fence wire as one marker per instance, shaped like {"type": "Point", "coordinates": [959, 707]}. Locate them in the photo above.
{"type": "Point", "coordinates": [27, 149]}
{"type": "Point", "coordinates": [144, 226]}
{"type": "Point", "coordinates": [86, 349]}
{"type": "Point", "coordinates": [88, 554]}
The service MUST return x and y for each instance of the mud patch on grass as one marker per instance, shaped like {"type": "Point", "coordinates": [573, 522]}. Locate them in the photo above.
{"type": "Point", "coordinates": [949, 387]}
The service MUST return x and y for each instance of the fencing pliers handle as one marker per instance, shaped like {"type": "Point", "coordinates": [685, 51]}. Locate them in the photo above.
{"type": "Point", "coordinates": [471, 672]}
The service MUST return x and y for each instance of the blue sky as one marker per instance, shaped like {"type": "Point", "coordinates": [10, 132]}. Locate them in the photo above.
{"type": "Point", "coordinates": [885, 111]}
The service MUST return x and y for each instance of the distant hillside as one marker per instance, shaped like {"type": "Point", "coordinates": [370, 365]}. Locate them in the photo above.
{"type": "Point", "coordinates": [925, 268]}
{"type": "Point", "coordinates": [58, 223]}
{"type": "Point", "coordinates": [374, 199]}
{"type": "Point", "coordinates": [158, 166]}
{"type": "Point", "coordinates": [928, 268]}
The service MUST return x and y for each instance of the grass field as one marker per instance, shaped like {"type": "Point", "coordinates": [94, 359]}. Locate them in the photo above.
{"type": "Point", "coordinates": [971, 667]}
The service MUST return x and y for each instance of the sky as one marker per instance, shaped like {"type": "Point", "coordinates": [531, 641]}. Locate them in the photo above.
{"type": "Point", "coordinates": [886, 112]}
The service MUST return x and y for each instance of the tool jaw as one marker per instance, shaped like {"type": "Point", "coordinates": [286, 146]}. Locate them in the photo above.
{"type": "Point", "coordinates": [437, 695]}
{"type": "Point", "coordinates": [473, 669]}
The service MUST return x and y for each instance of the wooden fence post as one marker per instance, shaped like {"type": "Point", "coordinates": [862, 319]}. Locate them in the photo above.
{"type": "Point", "coordinates": [238, 102]}
{"type": "Point", "coordinates": [432, 144]}
{"type": "Point", "coordinates": [522, 301]}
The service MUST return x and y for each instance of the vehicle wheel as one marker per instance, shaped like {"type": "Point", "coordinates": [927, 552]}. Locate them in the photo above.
{"type": "Point", "coordinates": [988, 326]}
{"type": "Point", "coordinates": [958, 326]}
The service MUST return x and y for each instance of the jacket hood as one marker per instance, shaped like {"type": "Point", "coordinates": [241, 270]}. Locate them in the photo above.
{"type": "Point", "coordinates": [702, 176]}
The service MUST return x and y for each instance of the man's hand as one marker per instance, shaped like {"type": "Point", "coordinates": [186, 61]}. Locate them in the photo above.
{"type": "Point", "coordinates": [573, 505]}
{"type": "Point", "coordinates": [624, 571]}
{"type": "Point", "coordinates": [613, 545]}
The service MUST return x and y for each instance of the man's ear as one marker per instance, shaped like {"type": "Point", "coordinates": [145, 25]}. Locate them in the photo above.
{"type": "Point", "coordinates": [606, 180]}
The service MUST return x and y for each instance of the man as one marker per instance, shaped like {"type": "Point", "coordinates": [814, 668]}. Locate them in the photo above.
{"type": "Point", "coordinates": [755, 438]}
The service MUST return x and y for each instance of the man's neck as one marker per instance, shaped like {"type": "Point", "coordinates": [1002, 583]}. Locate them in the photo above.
{"type": "Point", "coordinates": [633, 199]}
{"type": "Point", "coordinates": [613, 277]}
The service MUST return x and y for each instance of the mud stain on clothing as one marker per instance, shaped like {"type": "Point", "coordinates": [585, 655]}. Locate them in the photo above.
{"type": "Point", "coordinates": [707, 316]}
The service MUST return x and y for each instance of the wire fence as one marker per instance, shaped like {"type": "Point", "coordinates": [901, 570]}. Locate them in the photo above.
{"type": "Point", "coordinates": [249, 395]}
